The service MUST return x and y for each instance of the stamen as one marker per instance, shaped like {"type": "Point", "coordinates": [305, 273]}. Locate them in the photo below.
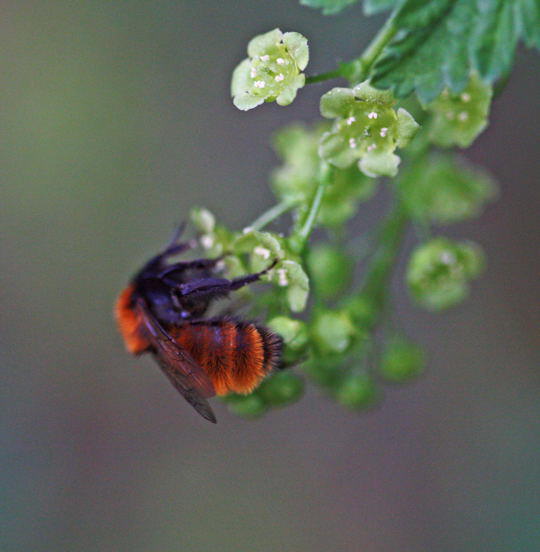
{"type": "Point", "coordinates": [262, 252]}
{"type": "Point", "coordinates": [282, 277]}
{"type": "Point", "coordinates": [207, 241]}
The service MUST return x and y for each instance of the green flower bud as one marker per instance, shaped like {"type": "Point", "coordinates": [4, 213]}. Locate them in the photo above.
{"type": "Point", "coordinates": [401, 360]}
{"type": "Point", "coordinates": [273, 70]}
{"type": "Point", "coordinates": [366, 129]}
{"type": "Point", "coordinates": [362, 311]}
{"type": "Point", "coordinates": [330, 269]}
{"type": "Point", "coordinates": [356, 390]}
{"type": "Point", "coordinates": [332, 331]}
{"type": "Point", "coordinates": [324, 371]}
{"type": "Point", "coordinates": [439, 272]}
{"type": "Point", "coordinates": [246, 406]}
{"type": "Point", "coordinates": [293, 332]}
{"type": "Point", "coordinates": [459, 118]}
{"type": "Point", "coordinates": [203, 220]}
{"type": "Point", "coordinates": [445, 189]}
{"type": "Point", "coordinates": [281, 388]}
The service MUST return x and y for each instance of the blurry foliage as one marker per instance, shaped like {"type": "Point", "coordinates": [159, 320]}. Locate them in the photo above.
{"type": "Point", "coordinates": [424, 82]}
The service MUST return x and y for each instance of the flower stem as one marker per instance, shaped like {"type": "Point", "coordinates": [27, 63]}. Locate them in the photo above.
{"type": "Point", "coordinates": [337, 74]}
{"type": "Point", "coordinates": [380, 268]}
{"type": "Point", "coordinates": [357, 70]}
{"type": "Point", "coordinates": [372, 52]}
{"type": "Point", "coordinates": [301, 235]}
{"type": "Point", "coordinates": [271, 214]}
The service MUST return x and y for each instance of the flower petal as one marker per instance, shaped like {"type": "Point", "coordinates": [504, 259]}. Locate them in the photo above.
{"type": "Point", "coordinates": [247, 101]}
{"type": "Point", "coordinates": [406, 127]}
{"type": "Point", "coordinates": [364, 91]}
{"type": "Point", "coordinates": [379, 164]}
{"type": "Point", "coordinates": [298, 48]}
{"type": "Point", "coordinates": [240, 82]}
{"type": "Point", "coordinates": [258, 45]}
{"type": "Point", "coordinates": [335, 149]}
{"type": "Point", "coordinates": [336, 102]}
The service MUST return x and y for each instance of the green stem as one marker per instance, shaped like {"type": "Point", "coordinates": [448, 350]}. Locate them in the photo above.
{"type": "Point", "coordinates": [303, 230]}
{"type": "Point", "coordinates": [372, 52]}
{"type": "Point", "coordinates": [324, 76]}
{"type": "Point", "coordinates": [376, 281]}
{"type": "Point", "coordinates": [358, 69]}
{"type": "Point", "coordinates": [271, 214]}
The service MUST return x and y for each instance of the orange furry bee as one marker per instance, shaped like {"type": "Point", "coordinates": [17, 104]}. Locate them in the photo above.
{"type": "Point", "coordinates": [162, 312]}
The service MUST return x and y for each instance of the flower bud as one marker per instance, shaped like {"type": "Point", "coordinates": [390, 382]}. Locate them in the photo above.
{"type": "Point", "coordinates": [401, 360]}
{"type": "Point", "coordinates": [246, 406]}
{"type": "Point", "coordinates": [332, 331]}
{"type": "Point", "coordinates": [203, 220]}
{"type": "Point", "coordinates": [356, 390]}
{"type": "Point", "coordinates": [439, 272]}
{"type": "Point", "coordinates": [293, 332]}
{"type": "Point", "coordinates": [281, 388]}
{"type": "Point", "coordinates": [459, 118]}
{"type": "Point", "coordinates": [330, 269]}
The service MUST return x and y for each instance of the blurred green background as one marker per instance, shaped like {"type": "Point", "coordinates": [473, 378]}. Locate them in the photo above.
{"type": "Point", "coordinates": [116, 119]}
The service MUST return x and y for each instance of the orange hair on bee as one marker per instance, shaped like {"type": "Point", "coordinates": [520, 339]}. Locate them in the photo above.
{"type": "Point", "coordinates": [235, 355]}
{"type": "Point", "coordinates": [129, 322]}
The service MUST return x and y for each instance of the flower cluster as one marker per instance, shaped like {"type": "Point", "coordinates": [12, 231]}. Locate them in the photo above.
{"type": "Point", "coordinates": [273, 70]}
{"type": "Point", "coordinates": [253, 251]}
{"type": "Point", "coordinates": [366, 129]}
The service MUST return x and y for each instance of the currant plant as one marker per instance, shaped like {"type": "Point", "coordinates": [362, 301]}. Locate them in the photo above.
{"type": "Point", "coordinates": [423, 86]}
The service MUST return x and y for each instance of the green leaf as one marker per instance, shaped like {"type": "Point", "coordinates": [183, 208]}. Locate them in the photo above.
{"type": "Point", "coordinates": [439, 43]}
{"type": "Point", "coordinates": [329, 7]}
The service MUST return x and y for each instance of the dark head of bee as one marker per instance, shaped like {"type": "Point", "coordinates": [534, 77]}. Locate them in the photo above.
{"type": "Point", "coordinates": [163, 312]}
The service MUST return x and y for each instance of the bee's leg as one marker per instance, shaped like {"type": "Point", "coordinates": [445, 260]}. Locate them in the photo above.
{"type": "Point", "coordinates": [198, 264]}
{"type": "Point", "coordinates": [218, 287]}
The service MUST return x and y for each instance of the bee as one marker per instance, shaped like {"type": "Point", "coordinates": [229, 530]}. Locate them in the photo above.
{"type": "Point", "coordinates": [162, 312]}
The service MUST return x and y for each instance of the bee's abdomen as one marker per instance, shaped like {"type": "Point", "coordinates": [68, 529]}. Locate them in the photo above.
{"type": "Point", "coordinates": [129, 323]}
{"type": "Point", "coordinates": [235, 355]}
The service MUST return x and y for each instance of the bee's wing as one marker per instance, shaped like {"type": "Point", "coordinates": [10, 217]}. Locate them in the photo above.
{"type": "Point", "coordinates": [192, 396]}
{"type": "Point", "coordinates": [188, 378]}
